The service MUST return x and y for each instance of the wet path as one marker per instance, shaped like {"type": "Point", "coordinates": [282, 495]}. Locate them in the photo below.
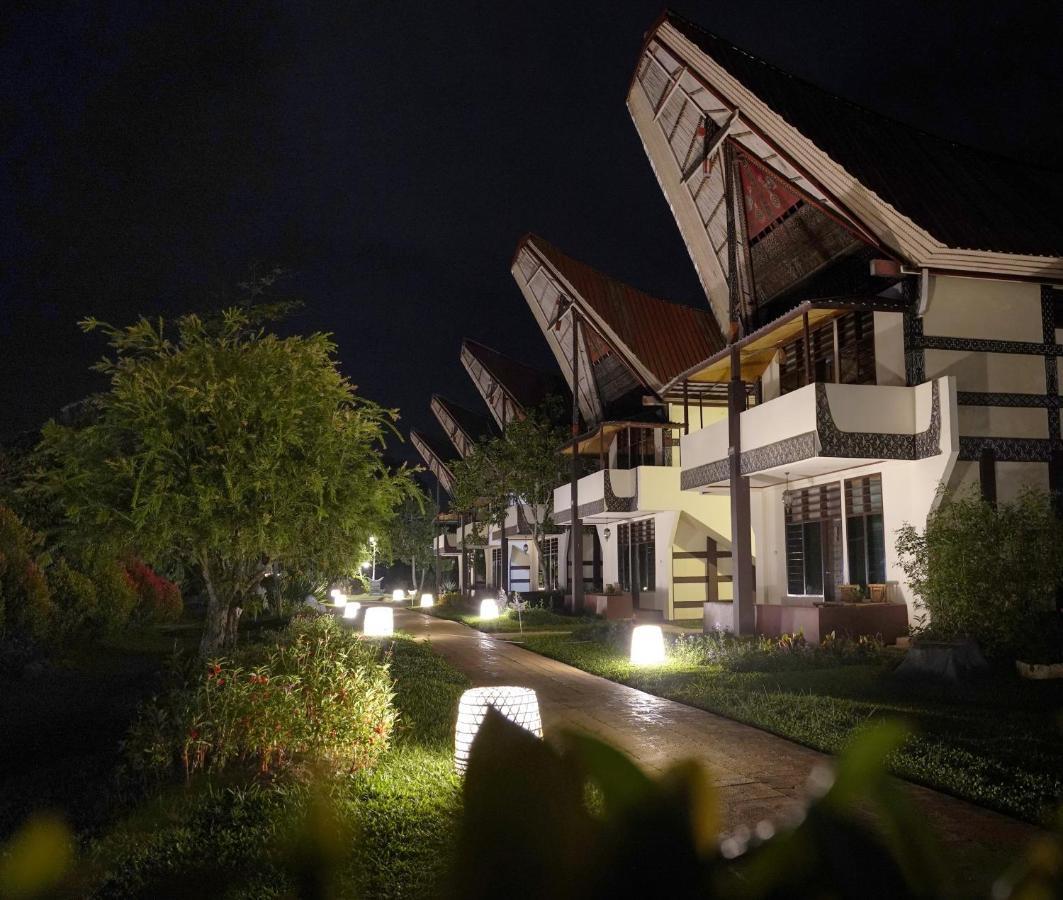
{"type": "Point", "coordinates": [758, 775]}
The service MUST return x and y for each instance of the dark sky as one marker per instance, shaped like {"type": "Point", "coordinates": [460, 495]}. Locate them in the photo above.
{"type": "Point", "coordinates": [391, 154]}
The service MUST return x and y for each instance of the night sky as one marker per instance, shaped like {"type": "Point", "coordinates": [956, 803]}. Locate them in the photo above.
{"type": "Point", "coordinates": [391, 154]}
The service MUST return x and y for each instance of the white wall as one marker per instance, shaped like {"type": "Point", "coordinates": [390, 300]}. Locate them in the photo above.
{"type": "Point", "coordinates": [889, 348]}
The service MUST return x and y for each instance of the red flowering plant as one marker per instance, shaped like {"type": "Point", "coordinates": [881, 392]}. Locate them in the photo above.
{"type": "Point", "coordinates": [319, 698]}
{"type": "Point", "coordinates": [158, 598]}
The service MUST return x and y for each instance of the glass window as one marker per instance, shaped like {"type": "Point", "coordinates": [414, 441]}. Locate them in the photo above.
{"type": "Point", "coordinates": [550, 572]}
{"type": "Point", "coordinates": [496, 566]}
{"type": "Point", "coordinates": [636, 549]}
{"type": "Point", "coordinates": [813, 518]}
{"type": "Point", "coordinates": [866, 538]}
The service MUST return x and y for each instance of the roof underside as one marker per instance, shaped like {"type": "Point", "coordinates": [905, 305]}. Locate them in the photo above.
{"type": "Point", "coordinates": [503, 382]}
{"type": "Point", "coordinates": [435, 458]}
{"type": "Point", "coordinates": [632, 342]}
{"type": "Point", "coordinates": [463, 426]}
{"type": "Point", "coordinates": [964, 197]}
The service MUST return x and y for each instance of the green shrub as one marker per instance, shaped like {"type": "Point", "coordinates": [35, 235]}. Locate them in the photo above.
{"type": "Point", "coordinates": [767, 654]}
{"type": "Point", "coordinates": [75, 598]}
{"type": "Point", "coordinates": [319, 697]}
{"type": "Point", "coordinates": [983, 571]}
{"type": "Point", "coordinates": [116, 595]}
{"type": "Point", "coordinates": [26, 610]}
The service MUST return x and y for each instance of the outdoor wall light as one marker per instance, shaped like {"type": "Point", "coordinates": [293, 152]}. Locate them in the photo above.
{"type": "Point", "coordinates": [647, 645]}
{"type": "Point", "coordinates": [488, 609]}
{"type": "Point", "coordinates": [378, 622]}
{"type": "Point", "coordinates": [525, 547]}
{"type": "Point", "coordinates": [398, 595]}
{"type": "Point", "coordinates": [350, 611]}
{"type": "Point", "coordinates": [518, 704]}
{"type": "Point", "coordinates": [608, 532]}
{"type": "Point", "coordinates": [427, 600]}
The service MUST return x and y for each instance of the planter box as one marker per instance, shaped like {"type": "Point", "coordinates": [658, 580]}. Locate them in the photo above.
{"type": "Point", "coordinates": [1039, 671]}
{"type": "Point", "coordinates": [610, 606]}
{"type": "Point", "coordinates": [951, 661]}
{"type": "Point", "coordinates": [888, 620]}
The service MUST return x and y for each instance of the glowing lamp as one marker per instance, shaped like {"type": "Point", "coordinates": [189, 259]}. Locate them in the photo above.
{"type": "Point", "coordinates": [378, 622]}
{"type": "Point", "coordinates": [427, 600]}
{"type": "Point", "coordinates": [647, 646]}
{"type": "Point", "coordinates": [488, 609]}
{"type": "Point", "coordinates": [350, 611]}
{"type": "Point", "coordinates": [339, 599]}
{"type": "Point", "coordinates": [335, 592]}
{"type": "Point", "coordinates": [518, 704]}
{"type": "Point", "coordinates": [398, 595]}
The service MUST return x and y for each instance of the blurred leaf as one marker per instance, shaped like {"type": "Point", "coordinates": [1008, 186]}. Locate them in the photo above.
{"type": "Point", "coordinates": [623, 784]}
{"type": "Point", "coordinates": [525, 831]}
{"type": "Point", "coordinates": [36, 859]}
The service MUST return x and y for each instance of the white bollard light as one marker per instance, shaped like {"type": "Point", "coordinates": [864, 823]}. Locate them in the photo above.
{"type": "Point", "coordinates": [339, 599]}
{"type": "Point", "coordinates": [378, 622]}
{"type": "Point", "coordinates": [488, 609]}
{"type": "Point", "coordinates": [398, 595]}
{"type": "Point", "coordinates": [350, 611]}
{"type": "Point", "coordinates": [335, 593]}
{"type": "Point", "coordinates": [518, 704]}
{"type": "Point", "coordinates": [427, 600]}
{"type": "Point", "coordinates": [647, 646]}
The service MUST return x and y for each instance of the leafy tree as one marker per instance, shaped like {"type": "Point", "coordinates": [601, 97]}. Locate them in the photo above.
{"type": "Point", "coordinates": [224, 448]}
{"type": "Point", "coordinates": [520, 469]}
{"type": "Point", "coordinates": [984, 571]}
{"type": "Point", "coordinates": [411, 536]}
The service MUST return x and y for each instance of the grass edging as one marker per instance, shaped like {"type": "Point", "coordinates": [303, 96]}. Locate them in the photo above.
{"type": "Point", "coordinates": [993, 744]}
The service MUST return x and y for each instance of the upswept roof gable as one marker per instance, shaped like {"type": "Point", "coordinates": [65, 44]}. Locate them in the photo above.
{"type": "Point", "coordinates": [966, 198]}
{"type": "Point", "coordinates": [662, 338]}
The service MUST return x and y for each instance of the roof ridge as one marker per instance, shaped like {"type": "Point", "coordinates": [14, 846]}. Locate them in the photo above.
{"type": "Point", "coordinates": [672, 15]}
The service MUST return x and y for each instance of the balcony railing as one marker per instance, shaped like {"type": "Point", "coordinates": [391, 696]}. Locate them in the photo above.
{"type": "Point", "coordinates": [815, 428]}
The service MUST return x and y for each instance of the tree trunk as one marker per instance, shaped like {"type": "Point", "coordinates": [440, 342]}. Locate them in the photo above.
{"type": "Point", "coordinates": [413, 572]}
{"type": "Point", "coordinates": [214, 628]}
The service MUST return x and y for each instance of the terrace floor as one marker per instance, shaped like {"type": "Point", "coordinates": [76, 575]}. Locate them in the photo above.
{"type": "Point", "coordinates": [758, 775]}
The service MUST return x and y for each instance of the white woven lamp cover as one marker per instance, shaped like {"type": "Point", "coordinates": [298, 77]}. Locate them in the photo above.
{"type": "Point", "coordinates": [378, 622]}
{"type": "Point", "coordinates": [398, 595]}
{"type": "Point", "coordinates": [518, 704]}
{"type": "Point", "coordinates": [488, 609]}
{"type": "Point", "coordinates": [427, 600]}
{"type": "Point", "coordinates": [350, 611]}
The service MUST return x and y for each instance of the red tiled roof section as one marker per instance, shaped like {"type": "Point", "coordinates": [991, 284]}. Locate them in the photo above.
{"type": "Point", "coordinates": [666, 338]}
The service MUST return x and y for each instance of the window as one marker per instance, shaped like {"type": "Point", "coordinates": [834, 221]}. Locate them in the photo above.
{"type": "Point", "coordinates": [866, 536]}
{"type": "Point", "coordinates": [496, 566]}
{"type": "Point", "coordinates": [550, 573]}
{"type": "Point", "coordinates": [853, 334]}
{"type": "Point", "coordinates": [813, 531]}
{"type": "Point", "coordinates": [637, 447]}
{"type": "Point", "coordinates": [637, 556]}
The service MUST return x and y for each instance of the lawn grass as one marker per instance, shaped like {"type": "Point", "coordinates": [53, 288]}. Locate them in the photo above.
{"type": "Point", "coordinates": [507, 622]}
{"type": "Point", "coordinates": [233, 840]}
{"type": "Point", "coordinates": [995, 742]}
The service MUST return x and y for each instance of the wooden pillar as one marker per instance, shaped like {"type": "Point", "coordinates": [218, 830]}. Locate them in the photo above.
{"type": "Point", "coordinates": [712, 572]}
{"type": "Point", "coordinates": [577, 523]}
{"type": "Point", "coordinates": [741, 545]}
{"type": "Point", "coordinates": [463, 561]}
{"type": "Point", "coordinates": [436, 530]}
{"type": "Point", "coordinates": [686, 408]}
{"type": "Point", "coordinates": [808, 347]}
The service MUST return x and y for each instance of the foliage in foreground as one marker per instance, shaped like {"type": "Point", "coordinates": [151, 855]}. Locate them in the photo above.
{"type": "Point", "coordinates": [986, 571]}
{"type": "Point", "coordinates": [995, 742]}
{"type": "Point", "coordinates": [569, 820]}
{"type": "Point", "coordinates": [319, 699]}
{"type": "Point", "coordinates": [222, 448]}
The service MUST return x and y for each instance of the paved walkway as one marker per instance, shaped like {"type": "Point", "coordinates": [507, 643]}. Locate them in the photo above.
{"type": "Point", "coordinates": [758, 775]}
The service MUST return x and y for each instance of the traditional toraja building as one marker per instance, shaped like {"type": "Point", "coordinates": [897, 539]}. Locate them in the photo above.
{"type": "Point", "coordinates": [464, 427]}
{"type": "Point", "coordinates": [495, 557]}
{"type": "Point", "coordinates": [891, 297]}
{"type": "Point", "coordinates": [507, 386]}
{"type": "Point", "coordinates": [621, 348]}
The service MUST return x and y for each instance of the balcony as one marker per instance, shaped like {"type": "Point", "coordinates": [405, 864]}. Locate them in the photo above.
{"type": "Point", "coordinates": [609, 491]}
{"type": "Point", "coordinates": [824, 428]}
